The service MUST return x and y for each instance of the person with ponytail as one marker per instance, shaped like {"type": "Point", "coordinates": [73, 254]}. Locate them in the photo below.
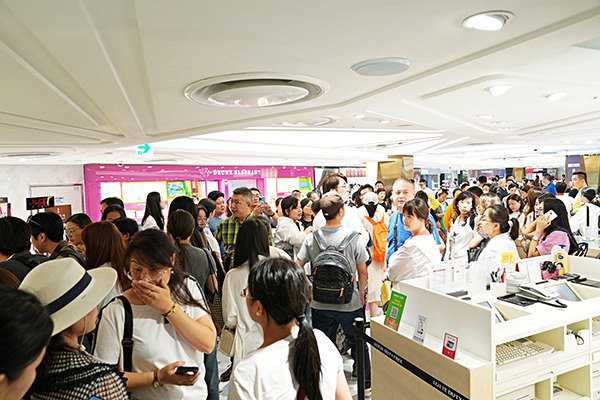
{"type": "Point", "coordinates": [294, 361]}
{"type": "Point", "coordinates": [501, 231]}
{"type": "Point", "coordinates": [251, 245]}
{"type": "Point", "coordinates": [586, 219]}
{"type": "Point", "coordinates": [419, 252]}
{"type": "Point", "coordinates": [153, 216]}
{"type": "Point", "coordinates": [193, 260]}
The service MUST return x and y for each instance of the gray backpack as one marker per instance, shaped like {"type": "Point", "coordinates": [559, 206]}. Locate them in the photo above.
{"type": "Point", "coordinates": [333, 276]}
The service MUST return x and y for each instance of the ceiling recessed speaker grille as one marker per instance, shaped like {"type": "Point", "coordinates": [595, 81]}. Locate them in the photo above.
{"type": "Point", "coordinates": [254, 90]}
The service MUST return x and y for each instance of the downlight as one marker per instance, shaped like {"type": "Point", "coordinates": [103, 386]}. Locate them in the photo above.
{"type": "Point", "coordinates": [254, 90]}
{"type": "Point", "coordinates": [488, 21]}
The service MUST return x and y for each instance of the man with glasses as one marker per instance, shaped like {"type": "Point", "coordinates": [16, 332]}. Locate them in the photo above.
{"type": "Point", "coordinates": [14, 247]}
{"type": "Point", "coordinates": [226, 234]}
{"type": "Point", "coordinates": [47, 236]}
{"type": "Point", "coordinates": [336, 182]}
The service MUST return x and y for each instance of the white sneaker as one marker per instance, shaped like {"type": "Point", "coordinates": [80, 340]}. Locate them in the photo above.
{"type": "Point", "coordinates": [368, 393]}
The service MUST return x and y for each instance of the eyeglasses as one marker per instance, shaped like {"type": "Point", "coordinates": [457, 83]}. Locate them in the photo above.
{"type": "Point", "coordinates": [237, 202]}
{"type": "Point", "coordinates": [486, 220]}
{"type": "Point", "coordinates": [137, 273]}
{"type": "Point", "coordinates": [70, 232]}
{"type": "Point", "coordinates": [203, 219]}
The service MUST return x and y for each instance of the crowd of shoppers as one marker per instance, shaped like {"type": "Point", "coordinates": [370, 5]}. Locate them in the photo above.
{"type": "Point", "coordinates": [163, 285]}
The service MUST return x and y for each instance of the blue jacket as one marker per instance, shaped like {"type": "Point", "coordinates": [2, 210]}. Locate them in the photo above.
{"type": "Point", "coordinates": [402, 234]}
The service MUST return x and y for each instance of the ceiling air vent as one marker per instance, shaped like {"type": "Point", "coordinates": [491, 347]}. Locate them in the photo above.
{"type": "Point", "coordinates": [254, 90]}
{"type": "Point", "coordinates": [28, 155]}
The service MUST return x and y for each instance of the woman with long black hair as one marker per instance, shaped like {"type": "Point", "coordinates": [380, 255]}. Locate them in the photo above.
{"type": "Point", "coordinates": [552, 232]}
{"type": "Point", "coordinates": [276, 298]}
{"type": "Point", "coordinates": [252, 244]}
{"type": "Point", "coordinates": [153, 217]}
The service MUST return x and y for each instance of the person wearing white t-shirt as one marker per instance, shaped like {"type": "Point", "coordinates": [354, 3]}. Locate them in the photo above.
{"type": "Point", "coordinates": [419, 252]}
{"type": "Point", "coordinates": [171, 327]}
{"type": "Point", "coordinates": [294, 361]}
{"type": "Point", "coordinates": [561, 188]}
{"type": "Point", "coordinates": [502, 232]}
{"type": "Point", "coordinates": [336, 182]}
{"type": "Point", "coordinates": [585, 219]}
{"type": "Point", "coordinates": [462, 230]}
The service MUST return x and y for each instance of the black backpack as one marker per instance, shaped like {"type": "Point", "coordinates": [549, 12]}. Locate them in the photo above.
{"type": "Point", "coordinates": [333, 276]}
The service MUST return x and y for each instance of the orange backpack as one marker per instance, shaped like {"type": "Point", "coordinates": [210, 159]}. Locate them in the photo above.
{"type": "Point", "coordinates": [380, 232]}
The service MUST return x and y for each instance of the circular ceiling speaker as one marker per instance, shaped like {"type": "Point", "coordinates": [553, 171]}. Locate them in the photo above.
{"type": "Point", "coordinates": [254, 90]}
{"type": "Point", "coordinates": [382, 66]}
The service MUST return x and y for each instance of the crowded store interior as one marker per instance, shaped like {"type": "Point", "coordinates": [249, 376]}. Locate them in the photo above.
{"type": "Point", "coordinates": [315, 200]}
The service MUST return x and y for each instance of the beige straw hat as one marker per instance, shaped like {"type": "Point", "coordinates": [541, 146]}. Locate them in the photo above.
{"type": "Point", "coordinates": [68, 290]}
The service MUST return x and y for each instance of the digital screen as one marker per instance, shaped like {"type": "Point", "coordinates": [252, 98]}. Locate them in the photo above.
{"type": "Point", "coordinates": [37, 203]}
{"type": "Point", "coordinates": [564, 292]}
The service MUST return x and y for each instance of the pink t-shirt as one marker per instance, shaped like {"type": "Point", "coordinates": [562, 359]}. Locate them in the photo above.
{"type": "Point", "coordinates": [556, 238]}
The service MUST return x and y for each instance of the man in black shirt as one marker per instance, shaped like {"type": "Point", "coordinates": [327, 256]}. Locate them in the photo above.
{"type": "Point", "coordinates": [47, 236]}
{"type": "Point", "coordinates": [14, 247]}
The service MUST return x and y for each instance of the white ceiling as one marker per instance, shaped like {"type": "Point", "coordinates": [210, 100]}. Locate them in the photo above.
{"type": "Point", "coordinates": [86, 81]}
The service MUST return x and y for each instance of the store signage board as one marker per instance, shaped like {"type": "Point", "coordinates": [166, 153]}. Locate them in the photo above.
{"type": "Point", "coordinates": [144, 151]}
{"type": "Point", "coordinates": [37, 203]}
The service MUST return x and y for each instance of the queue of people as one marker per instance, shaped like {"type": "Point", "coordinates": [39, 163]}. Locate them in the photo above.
{"type": "Point", "coordinates": [167, 288]}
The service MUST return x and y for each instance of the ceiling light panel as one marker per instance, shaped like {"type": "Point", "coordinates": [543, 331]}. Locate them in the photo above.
{"type": "Point", "coordinates": [384, 66]}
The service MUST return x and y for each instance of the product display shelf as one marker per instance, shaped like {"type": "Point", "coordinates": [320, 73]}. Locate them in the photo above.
{"type": "Point", "coordinates": [571, 371]}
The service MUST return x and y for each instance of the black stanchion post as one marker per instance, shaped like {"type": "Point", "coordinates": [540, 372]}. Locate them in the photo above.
{"type": "Point", "coordinates": [359, 346]}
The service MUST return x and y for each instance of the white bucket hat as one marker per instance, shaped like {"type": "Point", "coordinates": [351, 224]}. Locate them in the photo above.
{"type": "Point", "coordinates": [68, 290]}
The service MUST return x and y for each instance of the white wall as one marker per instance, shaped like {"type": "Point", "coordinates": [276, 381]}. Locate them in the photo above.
{"type": "Point", "coordinates": [15, 181]}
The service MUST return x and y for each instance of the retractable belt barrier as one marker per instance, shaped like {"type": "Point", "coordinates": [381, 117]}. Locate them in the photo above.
{"type": "Point", "coordinates": [361, 337]}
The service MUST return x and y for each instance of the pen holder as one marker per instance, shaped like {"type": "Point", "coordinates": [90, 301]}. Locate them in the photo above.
{"type": "Point", "coordinates": [497, 289]}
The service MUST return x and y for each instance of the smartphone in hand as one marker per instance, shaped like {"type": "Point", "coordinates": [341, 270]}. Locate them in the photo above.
{"type": "Point", "coordinates": [186, 370]}
{"type": "Point", "coordinates": [551, 215]}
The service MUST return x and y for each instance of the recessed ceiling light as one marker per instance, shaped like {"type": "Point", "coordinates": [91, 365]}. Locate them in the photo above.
{"type": "Point", "coordinates": [485, 116]}
{"type": "Point", "coordinates": [488, 21]}
{"type": "Point", "coordinates": [589, 141]}
{"type": "Point", "coordinates": [566, 142]}
{"type": "Point", "coordinates": [384, 121]}
{"type": "Point", "coordinates": [498, 90]}
{"type": "Point", "coordinates": [359, 116]}
{"type": "Point", "coordinates": [382, 66]}
{"type": "Point", "coordinates": [554, 96]}
{"type": "Point", "coordinates": [254, 90]}
{"type": "Point", "coordinates": [510, 128]}
{"type": "Point", "coordinates": [498, 123]}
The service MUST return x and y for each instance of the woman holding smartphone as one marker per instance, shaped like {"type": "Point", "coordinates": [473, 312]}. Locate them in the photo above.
{"type": "Point", "coordinates": [171, 327]}
{"type": "Point", "coordinates": [552, 229]}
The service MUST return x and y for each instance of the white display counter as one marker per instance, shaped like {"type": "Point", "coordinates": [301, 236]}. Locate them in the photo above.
{"type": "Point", "coordinates": [571, 371]}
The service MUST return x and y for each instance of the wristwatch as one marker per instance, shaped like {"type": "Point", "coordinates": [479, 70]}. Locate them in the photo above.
{"type": "Point", "coordinates": [156, 382]}
{"type": "Point", "coordinates": [537, 239]}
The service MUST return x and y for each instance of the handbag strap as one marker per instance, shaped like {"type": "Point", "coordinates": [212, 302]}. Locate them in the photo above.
{"type": "Point", "coordinates": [127, 341]}
{"type": "Point", "coordinates": [300, 395]}
{"type": "Point", "coordinates": [213, 267]}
